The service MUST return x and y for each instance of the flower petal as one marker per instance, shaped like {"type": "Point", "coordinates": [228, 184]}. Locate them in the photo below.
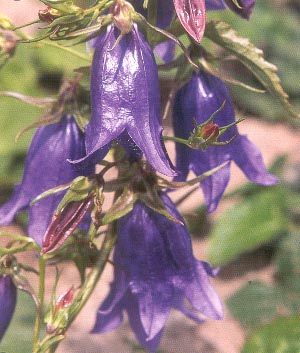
{"type": "Point", "coordinates": [8, 299]}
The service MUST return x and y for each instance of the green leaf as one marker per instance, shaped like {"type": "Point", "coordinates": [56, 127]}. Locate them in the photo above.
{"type": "Point", "coordinates": [280, 336]}
{"type": "Point", "coordinates": [288, 267]}
{"type": "Point", "coordinates": [255, 303]}
{"type": "Point", "coordinates": [247, 225]}
{"type": "Point", "coordinates": [222, 34]}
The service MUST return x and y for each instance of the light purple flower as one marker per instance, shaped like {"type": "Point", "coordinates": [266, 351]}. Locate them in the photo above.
{"type": "Point", "coordinates": [200, 98]}
{"type": "Point", "coordinates": [155, 271]}
{"type": "Point", "coordinates": [46, 166]}
{"type": "Point", "coordinates": [245, 10]}
{"type": "Point", "coordinates": [8, 298]}
{"type": "Point", "coordinates": [125, 97]}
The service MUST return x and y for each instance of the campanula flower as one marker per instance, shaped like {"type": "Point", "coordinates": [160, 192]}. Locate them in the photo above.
{"type": "Point", "coordinates": [8, 298]}
{"type": "Point", "coordinates": [46, 166]}
{"type": "Point", "coordinates": [203, 95]}
{"type": "Point", "coordinates": [125, 97]}
{"type": "Point", "coordinates": [245, 10]}
{"type": "Point", "coordinates": [155, 271]}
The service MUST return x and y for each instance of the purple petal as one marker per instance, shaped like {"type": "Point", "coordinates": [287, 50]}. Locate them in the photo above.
{"type": "Point", "coordinates": [246, 9]}
{"type": "Point", "coordinates": [249, 159]}
{"type": "Point", "coordinates": [8, 299]}
{"type": "Point", "coordinates": [200, 98]}
{"type": "Point", "coordinates": [212, 5]}
{"type": "Point", "coordinates": [125, 96]}
{"type": "Point", "coordinates": [46, 167]}
{"type": "Point", "coordinates": [166, 51]}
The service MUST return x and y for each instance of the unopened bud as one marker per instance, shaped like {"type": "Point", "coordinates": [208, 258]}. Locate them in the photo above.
{"type": "Point", "coordinates": [210, 132]}
{"type": "Point", "coordinates": [65, 223]}
{"type": "Point", "coordinates": [64, 300]}
{"type": "Point", "coordinates": [48, 15]}
{"type": "Point", "coordinates": [122, 14]}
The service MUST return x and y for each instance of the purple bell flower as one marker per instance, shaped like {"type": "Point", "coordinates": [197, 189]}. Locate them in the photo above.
{"type": "Point", "coordinates": [200, 98]}
{"type": "Point", "coordinates": [125, 97]}
{"type": "Point", "coordinates": [8, 299]}
{"type": "Point", "coordinates": [155, 271]}
{"type": "Point", "coordinates": [46, 166]}
{"type": "Point", "coordinates": [245, 10]}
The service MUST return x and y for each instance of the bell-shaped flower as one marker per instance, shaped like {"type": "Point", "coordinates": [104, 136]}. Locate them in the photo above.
{"type": "Point", "coordinates": [8, 298]}
{"type": "Point", "coordinates": [155, 271]}
{"type": "Point", "coordinates": [46, 167]}
{"type": "Point", "coordinates": [125, 97]}
{"type": "Point", "coordinates": [244, 10]}
{"type": "Point", "coordinates": [202, 96]}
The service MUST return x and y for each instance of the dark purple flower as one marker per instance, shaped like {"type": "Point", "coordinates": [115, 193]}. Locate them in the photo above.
{"type": "Point", "coordinates": [8, 298]}
{"type": "Point", "coordinates": [245, 10]}
{"type": "Point", "coordinates": [46, 166]}
{"type": "Point", "coordinates": [200, 98]}
{"type": "Point", "coordinates": [155, 271]}
{"type": "Point", "coordinates": [125, 97]}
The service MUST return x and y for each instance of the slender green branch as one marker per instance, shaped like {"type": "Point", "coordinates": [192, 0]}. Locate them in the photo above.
{"type": "Point", "coordinates": [39, 312]}
{"type": "Point", "coordinates": [85, 291]}
{"type": "Point", "coordinates": [176, 139]}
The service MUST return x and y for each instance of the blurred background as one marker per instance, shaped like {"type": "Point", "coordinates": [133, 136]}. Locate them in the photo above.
{"type": "Point", "coordinates": [254, 237]}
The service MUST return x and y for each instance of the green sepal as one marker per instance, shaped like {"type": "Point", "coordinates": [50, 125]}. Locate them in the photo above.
{"type": "Point", "coordinates": [63, 6]}
{"type": "Point", "coordinates": [123, 205]}
{"type": "Point", "coordinates": [80, 189]}
{"type": "Point", "coordinates": [222, 34]}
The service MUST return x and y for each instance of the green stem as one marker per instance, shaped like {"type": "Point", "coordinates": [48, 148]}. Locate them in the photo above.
{"type": "Point", "coordinates": [87, 288]}
{"type": "Point", "coordinates": [39, 312]}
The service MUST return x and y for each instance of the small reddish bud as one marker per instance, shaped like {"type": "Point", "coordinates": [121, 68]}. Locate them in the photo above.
{"type": "Point", "coordinates": [210, 131]}
{"type": "Point", "coordinates": [122, 15]}
{"type": "Point", "coordinates": [48, 15]}
{"type": "Point", "coordinates": [64, 300]}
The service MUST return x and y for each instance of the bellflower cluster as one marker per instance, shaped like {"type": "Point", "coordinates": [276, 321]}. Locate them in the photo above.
{"type": "Point", "coordinates": [155, 270]}
{"type": "Point", "coordinates": [8, 298]}
{"type": "Point", "coordinates": [46, 167]}
{"type": "Point", "coordinates": [203, 95]}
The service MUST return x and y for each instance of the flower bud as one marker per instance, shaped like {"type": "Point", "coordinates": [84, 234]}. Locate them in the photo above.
{"type": "Point", "coordinates": [48, 15]}
{"type": "Point", "coordinates": [64, 300]}
{"type": "Point", "coordinates": [122, 15]}
{"type": "Point", "coordinates": [210, 132]}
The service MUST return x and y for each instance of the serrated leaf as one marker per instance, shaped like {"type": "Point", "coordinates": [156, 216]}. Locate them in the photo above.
{"type": "Point", "coordinates": [255, 303]}
{"type": "Point", "coordinates": [222, 34]}
{"type": "Point", "coordinates": [247, 225]}
{"type": "Point", "coordinates": [280, 336]}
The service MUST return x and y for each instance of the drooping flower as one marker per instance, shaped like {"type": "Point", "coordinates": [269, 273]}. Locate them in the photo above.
{"type": "Point", "coordinates": [203, 95]}
{"type": "Point", "coordinates": [8, 299]}
{"type": "Point", "coordinates": [155, 271]}
{"type": "Point", "coordinates": [244, 10]}
{"type": "Point", "coordinates": [46, 166]}
{"type": "Point", "coordinates": [125, 97]}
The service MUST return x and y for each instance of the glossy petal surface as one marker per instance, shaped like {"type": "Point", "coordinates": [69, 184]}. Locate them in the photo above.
{"type": "Point", "coordinates": [155, 271]}
{"type": "Point", "coordinates": [46, 166]}
{"type": "Point", "coordinates": [125, 97]}
{"type": "Point", "coordinates": [8, 298]}
{"type": "Point", "coordinates": [200, 98]}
